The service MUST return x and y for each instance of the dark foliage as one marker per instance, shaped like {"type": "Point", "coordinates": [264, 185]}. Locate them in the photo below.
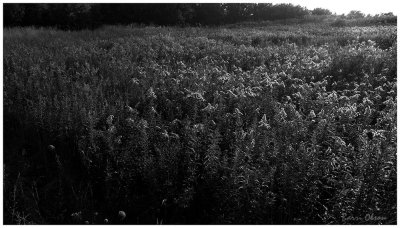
{"type": "Point", "coordinates": [281, 124]}
{"type": "Point", "coordinates": [320, 11]}
{"type": "Point", "coordinates": [78, 16]}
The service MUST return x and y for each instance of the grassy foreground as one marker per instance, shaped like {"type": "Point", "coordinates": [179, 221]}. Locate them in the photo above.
{"type": "Point", "coordinates": [263, 125]}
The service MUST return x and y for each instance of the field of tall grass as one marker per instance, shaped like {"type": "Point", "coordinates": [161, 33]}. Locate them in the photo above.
{"type": "Point", "coordinates": [275, 124]}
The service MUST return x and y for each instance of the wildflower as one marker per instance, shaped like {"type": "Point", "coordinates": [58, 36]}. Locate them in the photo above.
{"type": "Point", "coordinates": [339, 141]}
{"type": "Point", "coordinates": [118, 140]}
{"type": "Point", "coordinates": [368, 111]}
{"type": "Point", "coordinates": [196, 96]}
{"type": "Point", "coordinates": [112, 129]}
{"type": "Point", "coordinates": [312, 114]}
{"type": "Point", "coordinates": [82, 153]}
{"type": "Point", "coordinates": [51, 148]}
{"type": "Point", "coordinates": [153, 111]}
{"type": "Point", "coordinates": [282, 114]}
{"type": "Point", "coordinates": [321, 113]}
{"type": "Point", "coordinates": [231, 94]}
{"type": "Point", "coordinates": [176, 122]}
{"type": "Point", "coordinates": [135, 81]}
{"type": "Point", "coordinates": [298, 95]}
{"type": "Point", "coordinates": [380, 89]}
{"type": "Point", "coordinates": [389, 102]}
{"type": "Point", "coordinates": [150, 93]}
{"type": "Point", "coordinates": [367, 101]}
{"type": "Point", "coordinates": [264, 123]}
{"type": "Point", "coordinates": [379, 134]}
{"type": "Point", "coordinates": [77, 216]}
{"type": "Point", "coordinates": [199, 127]}
{"type": "Point", "coordinates": [238, 112]}
{"type": "Point", "coordinates": [355, 97]}
{"type": "Point", "coordinates": [212, 123]}
{"type": "Point", "coordinates": [165, 134]}
{"type": "Point", "coordinates": [143, 124]}
{"type": "Point", "coordinates": [209, 108]}
{"type": "Point", "coordinates": [131, 110]}
{"type": "Point", "coordinates": [130, 121]}
{"type": "Point", "coordinates": [344, 98]}
{"type": "Point", "coordinates": [174, 135]}
{"type": "Point", "coordinates": [121, 215]}
{"type": "Point", "coordinates": [297, 114]}
{"type": "Point", "coordinates": [377, 97]}
{"type": "Point", "coordinates": [328, 151]}
{"type": "Point", "coordinates": [110, 120]}
{"type": "Point", "coordinates": [86, 87]}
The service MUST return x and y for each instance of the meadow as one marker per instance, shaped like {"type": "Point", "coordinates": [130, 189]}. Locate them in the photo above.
{"type": "Point", "coordinates": [267, 124]}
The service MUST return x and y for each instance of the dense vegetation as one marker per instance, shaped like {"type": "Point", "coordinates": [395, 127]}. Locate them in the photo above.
{"type": "Point", "coordinates": [273, 124]}
{"type": "Point", "coordinates": [80, 16]}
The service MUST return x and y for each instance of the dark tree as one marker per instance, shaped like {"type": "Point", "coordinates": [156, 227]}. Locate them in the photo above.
{"type": "Point", "coordinates": [321, 11]}
{"type": "Point", "coordinates": [73, 16]}
{"type": "Point", "coordinates": [237, 12]}
{"type": "Point", "coordinates": [354, 14]}
{"type": "Point", "coordinates": [263, 12]}
{"type": "Point", "coordinates": [208, 14]}
{"type": "Point", "coordinates": [13, 14]}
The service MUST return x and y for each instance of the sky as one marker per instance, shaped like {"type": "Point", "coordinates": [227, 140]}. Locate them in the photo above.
{"type": "Point", "coordinates": [345, 6]}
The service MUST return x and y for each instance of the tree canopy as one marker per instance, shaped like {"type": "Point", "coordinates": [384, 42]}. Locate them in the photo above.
{"type": "Point", "coordinates": [78, 16]}
{"type": "Point", "coordinates": [75, 16]}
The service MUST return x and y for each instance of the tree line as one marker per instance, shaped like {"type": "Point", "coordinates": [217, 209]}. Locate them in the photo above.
{"type": "Point", "coordinates": [79, 16]}
{"type": "Point", "coordinates": [89, 16]}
